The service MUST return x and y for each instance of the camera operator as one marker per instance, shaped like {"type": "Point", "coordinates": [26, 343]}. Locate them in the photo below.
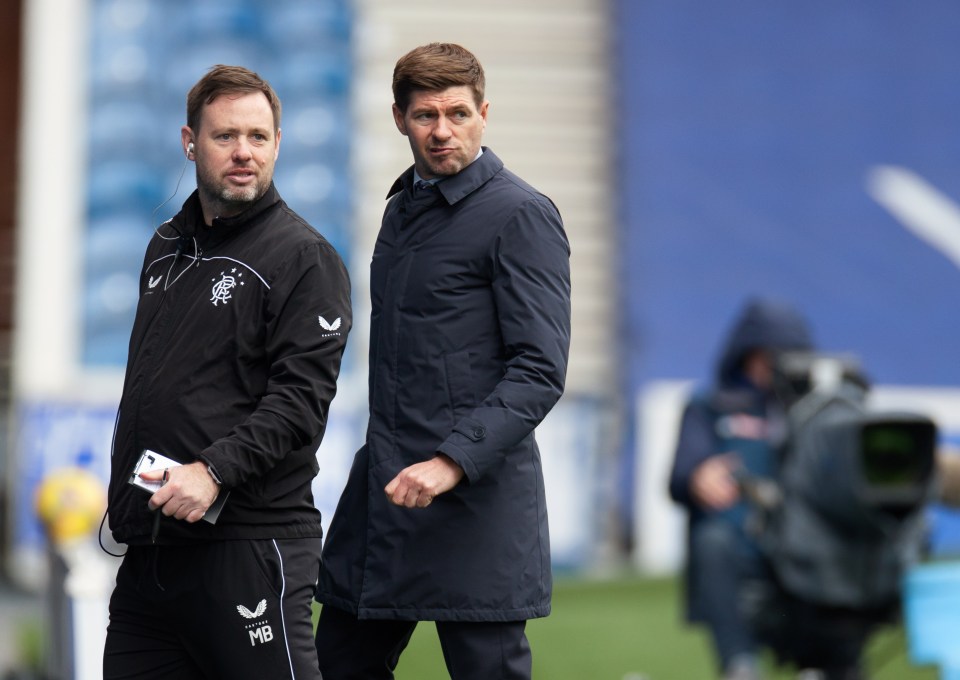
{"type": "Point", "coordinates": [735, 426]}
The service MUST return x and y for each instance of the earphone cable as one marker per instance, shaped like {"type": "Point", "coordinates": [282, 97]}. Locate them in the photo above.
{"type": "Point", "coordinates": [153, 215]}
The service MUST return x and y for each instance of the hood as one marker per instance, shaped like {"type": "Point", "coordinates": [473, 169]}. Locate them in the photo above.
{"type": "Point", "coordinates": [762, 324]}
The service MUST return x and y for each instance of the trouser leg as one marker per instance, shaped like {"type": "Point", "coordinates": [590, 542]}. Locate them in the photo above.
{"type": "Point", "coordinates": [140, 643]}
{"type": "Point", "coordinates": [722, 565]}
{"type": "Point", "coordinates": [486, 650]}
{"type": "Point", "coordinates": [352, 649]}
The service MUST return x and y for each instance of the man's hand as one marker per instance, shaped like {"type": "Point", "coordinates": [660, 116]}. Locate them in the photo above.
{"type": "Point", "coordinates": [712, 483]}
{"type": "Point", "coordinates": [187, 494]}
{"type": "Point", "coordinates": [416, 486]}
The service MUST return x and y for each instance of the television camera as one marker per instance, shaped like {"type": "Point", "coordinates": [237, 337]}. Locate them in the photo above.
{"type": "Point", "coordinates": [844, 517]}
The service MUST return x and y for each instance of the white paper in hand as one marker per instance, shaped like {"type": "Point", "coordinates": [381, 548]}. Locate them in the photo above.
{"type": "Point", "coordinates": [150, 461]}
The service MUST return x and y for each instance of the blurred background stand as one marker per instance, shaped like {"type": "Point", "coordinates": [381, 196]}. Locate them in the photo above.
{"type": "Point", "coordinates": [71, 503]}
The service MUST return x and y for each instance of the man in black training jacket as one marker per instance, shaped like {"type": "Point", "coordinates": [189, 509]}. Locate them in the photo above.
{"type": "Point", "coordinates": [243, 316]}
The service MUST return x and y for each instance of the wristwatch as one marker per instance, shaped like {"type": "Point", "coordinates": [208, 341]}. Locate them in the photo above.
{"type": "Point", "coordinates": [216, 477]}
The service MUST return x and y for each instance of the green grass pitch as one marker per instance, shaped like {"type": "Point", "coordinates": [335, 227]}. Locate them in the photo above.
{"type": "Point", "coordinates": [632, 629]}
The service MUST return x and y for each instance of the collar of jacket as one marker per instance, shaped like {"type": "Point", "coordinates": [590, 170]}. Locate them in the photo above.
{"type": "Point", "coordinates": [460, 185]}
{"type": "Point", "coordinates": [192, 224]}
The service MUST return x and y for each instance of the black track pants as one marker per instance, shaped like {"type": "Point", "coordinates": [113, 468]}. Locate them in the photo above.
{"type": "Point", "coordinates": [231, 609]}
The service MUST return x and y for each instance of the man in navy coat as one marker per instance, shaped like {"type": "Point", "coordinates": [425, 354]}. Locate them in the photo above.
{"type": "Point", "coordinates": [444, 515]}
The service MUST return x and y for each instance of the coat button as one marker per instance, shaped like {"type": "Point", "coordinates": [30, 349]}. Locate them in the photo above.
{"type": "Point", "coordinates": [479, 432]}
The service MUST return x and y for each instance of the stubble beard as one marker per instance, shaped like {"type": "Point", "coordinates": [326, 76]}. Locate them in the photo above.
{"type": "Point", "coordinates": [447, 168]}
{"type": "Point", "coordinates": [453, 165]}
{"type": "Point", "coordinates": [230, 200]}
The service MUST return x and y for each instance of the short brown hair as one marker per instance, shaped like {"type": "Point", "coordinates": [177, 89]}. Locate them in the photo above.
{"type": "Point", "coordinates": [434, 67]}
{"type": "Point", "coordinates": [222, 79]}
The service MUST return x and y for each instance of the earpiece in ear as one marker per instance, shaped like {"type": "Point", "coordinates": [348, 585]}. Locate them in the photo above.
{"type": "Point", "coordinates": [189, 148]}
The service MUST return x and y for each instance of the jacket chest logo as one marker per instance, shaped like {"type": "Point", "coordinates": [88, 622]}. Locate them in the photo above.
{"type": "Point", "coordinates": [222, 290]}
{"type": "Point", "coordinates": [742, 426]}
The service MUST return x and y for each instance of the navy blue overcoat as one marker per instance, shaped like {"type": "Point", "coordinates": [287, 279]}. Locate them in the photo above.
{"type": "Point", "coordinates": [470, 328]}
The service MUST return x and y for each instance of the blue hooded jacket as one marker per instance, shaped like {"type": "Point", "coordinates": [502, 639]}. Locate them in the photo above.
{"type": "Point", "coordinates": [733, 414]}
{"type": "Point", "coordinates": [710, 417]}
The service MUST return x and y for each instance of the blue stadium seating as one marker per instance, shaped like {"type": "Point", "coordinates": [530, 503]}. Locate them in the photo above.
{"type": "Point", "coordinates": [145, 55]}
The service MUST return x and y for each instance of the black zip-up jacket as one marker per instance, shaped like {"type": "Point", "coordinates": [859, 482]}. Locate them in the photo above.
{"type": "Point", "coordinates": [233, 360]}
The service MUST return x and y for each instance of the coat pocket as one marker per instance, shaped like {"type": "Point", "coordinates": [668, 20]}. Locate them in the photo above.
{"type": "Point", "coordinates": [460, 384]}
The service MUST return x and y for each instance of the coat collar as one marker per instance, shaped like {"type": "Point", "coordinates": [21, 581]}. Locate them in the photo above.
{"type": "Point", "coordinates": [460, 185]}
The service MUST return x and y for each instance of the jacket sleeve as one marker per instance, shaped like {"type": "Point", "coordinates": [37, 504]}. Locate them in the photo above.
{"type": "Point", "coordinates": [531, 291]}
{"type": "Point", "coordinates": [696, 443]}
{"type": "Point", "coordinates": [308, 317]}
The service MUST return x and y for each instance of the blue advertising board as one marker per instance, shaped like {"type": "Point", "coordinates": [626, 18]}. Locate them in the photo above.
{"type": "Point", "coordinates": [804, 151]}
{"type": "Point", "coordinates": [765, 149]}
